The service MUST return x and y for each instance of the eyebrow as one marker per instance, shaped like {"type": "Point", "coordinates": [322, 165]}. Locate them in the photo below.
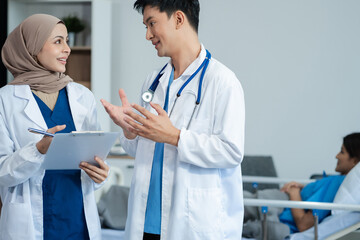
{"type": "Point", "coordinates": [148, 19]}
{"type": "Point", "coordinates": [59, 37]}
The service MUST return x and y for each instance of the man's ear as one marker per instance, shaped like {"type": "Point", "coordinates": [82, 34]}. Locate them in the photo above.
{"type": "Point", "coordinates": [179, 17]}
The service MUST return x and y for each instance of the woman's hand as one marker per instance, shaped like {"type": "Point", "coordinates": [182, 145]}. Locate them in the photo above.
{"type": "Point", "coordinates": [294, 193]}
{"type": "Point", "coordinates": [288, 186]}
{"type": "Point", "coordinates": [97, 174]}
{"type": "Point", "coordinates": [44, 143]}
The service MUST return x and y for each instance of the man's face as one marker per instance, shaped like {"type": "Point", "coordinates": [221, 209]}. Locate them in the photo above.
{"type": "Point", "coordinates": [161, 30]}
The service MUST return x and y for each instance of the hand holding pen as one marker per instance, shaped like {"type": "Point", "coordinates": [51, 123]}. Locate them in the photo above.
{"type": "Point", "coordinates": [39, 131]}
{"type": "Point", "coordinates": [44, 143]}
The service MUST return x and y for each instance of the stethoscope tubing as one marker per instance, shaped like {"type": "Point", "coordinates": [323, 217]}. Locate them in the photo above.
{"type": "Point", "coordinates": [155, 83]}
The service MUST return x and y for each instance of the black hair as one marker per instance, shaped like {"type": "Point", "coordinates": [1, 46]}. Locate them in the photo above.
{"type": "Point", "coordinates": [190, 8]}
{"type": "Point", "coordinates": [351, 143]}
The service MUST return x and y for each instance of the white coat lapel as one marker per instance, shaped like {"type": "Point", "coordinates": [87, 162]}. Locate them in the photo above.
{"type": "Point", "coordinates": [32, 109]}
{"type": "Point", "coordinates": [160, 92]}
{"type": "Point", "coordinates": [78, 110]}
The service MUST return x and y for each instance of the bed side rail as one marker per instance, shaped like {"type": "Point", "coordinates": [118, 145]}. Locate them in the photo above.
{"type": "Point", "coordinates": [264, 204]}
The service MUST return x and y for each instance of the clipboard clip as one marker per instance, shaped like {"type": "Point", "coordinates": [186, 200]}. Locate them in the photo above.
{"type": "Point", "coordinates": [97, 133]}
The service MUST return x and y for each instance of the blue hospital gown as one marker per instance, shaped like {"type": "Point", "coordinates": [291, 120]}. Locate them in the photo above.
{"type": "Point", "coordinates": [323, 190]}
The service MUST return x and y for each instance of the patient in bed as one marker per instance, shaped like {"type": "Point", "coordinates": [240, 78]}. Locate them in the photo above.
{"type": "Point", "coordinates": [282, 222]}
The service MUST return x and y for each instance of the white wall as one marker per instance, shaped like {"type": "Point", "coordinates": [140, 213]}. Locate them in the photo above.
{"type": "Point", "coordinates": [133, 56]}
{"type": "Point", "coordinates": [298, 62]}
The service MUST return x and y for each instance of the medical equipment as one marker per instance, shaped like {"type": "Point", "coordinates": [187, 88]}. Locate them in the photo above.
{"type": "Point", "coordinates": [149, 94]}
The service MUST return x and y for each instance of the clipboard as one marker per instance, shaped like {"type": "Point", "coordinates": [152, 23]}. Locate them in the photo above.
{"type": "Point", "coordinates": [67, 150]}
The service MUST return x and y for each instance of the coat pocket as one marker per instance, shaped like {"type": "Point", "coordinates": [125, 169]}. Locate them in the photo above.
{"type": "Point", "coordinates": [205, 213]}
{"type": "Point", "coordinates": [201, 126]}
{"type": "Point", "coordinates": [16, 221]}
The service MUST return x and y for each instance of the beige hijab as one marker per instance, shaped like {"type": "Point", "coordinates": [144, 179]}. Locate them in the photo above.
{"type": "Point", "coordinates": [21, 48]}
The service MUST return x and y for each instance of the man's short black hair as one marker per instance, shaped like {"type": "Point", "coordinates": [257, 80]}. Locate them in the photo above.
{"type": "Point", "coordinates": [191, 8]}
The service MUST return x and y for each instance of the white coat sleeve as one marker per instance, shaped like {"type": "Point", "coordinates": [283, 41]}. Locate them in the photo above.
{"type": "Point", "coordinates": [17, 167]}
{"type": "Point", "coordinates": [129, 145]}
{"type": "Point", "coordinates": [93, 125]}
{"type": "Point", "coordinates": [223, 145]}
{"type": "Point", "coordinates": [92, 117]}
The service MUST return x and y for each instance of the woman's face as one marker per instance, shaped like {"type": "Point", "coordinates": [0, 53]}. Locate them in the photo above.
{"type": "Point", "coordinates": [54, 54]}
{"type": "Point", "coordinates": [345, 163]}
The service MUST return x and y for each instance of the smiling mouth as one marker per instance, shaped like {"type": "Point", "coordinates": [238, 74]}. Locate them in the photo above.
{"type": "Point", "coordinates": [156, 44]}
{"type": "Point", "coordinates": [62, 60]}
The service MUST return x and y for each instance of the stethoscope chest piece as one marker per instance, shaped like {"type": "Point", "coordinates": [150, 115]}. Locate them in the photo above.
{"type": "Point", "coordinates": [147, 96]}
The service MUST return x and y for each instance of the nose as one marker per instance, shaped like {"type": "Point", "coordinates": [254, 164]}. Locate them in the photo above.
{"type": "Point", "coordinates": [149, 34]}
{"type": "Point", "coordinates": [67, 48]}
{"type": "Point", "coordinates": [337, 156]}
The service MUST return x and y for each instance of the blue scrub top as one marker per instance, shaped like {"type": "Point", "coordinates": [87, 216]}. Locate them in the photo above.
{"type": "Point", "coordinates": [323, 190]}
{"type": "Point", "coordinates": [63, 208]}
{"type": "Point", "coordinates": [153, 207]}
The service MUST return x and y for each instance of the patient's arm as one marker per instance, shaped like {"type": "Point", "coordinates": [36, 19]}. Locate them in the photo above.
{"type": "Point", "coordinates": [303, 219]}
{"type": "Point", "coordinates": [289, 185]}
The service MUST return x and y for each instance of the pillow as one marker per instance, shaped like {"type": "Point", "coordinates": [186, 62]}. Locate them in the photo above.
{"type": "Point", "coordinates": [112, 207]}
{"type": "Point", "coordinates": [349, 190]}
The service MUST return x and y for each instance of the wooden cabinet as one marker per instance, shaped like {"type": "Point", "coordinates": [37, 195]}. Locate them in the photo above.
{"type": "Point", "coordinates": [78, 66]}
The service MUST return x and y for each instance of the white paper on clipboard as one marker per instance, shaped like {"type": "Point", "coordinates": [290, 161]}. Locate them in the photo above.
{"type": "Point", "coordinates": [67, 150]}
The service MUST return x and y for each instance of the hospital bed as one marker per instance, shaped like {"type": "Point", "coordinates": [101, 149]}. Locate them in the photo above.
{"type": "Point", "coordinates": [332, 227]}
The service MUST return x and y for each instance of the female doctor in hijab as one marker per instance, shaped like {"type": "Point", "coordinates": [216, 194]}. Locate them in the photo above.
{"type": "Point", "coordinates": [39, 204]}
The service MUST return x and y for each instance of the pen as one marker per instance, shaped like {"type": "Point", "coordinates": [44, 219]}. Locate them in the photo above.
{"type": "Point", "coordinates": [38, 131]}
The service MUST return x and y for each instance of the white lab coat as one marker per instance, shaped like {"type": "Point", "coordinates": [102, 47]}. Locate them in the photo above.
{"type": "Point", "coordinates": [202, 196]}
{"type": "Point", "coordinates": [21, 173]}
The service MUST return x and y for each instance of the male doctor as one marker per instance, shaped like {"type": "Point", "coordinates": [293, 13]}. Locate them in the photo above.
{"type": "Point", "coordinates": [188, 140]}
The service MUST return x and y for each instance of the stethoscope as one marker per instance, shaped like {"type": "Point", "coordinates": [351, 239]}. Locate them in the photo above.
{"type": "Point", "coordinates": [149, 94]}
